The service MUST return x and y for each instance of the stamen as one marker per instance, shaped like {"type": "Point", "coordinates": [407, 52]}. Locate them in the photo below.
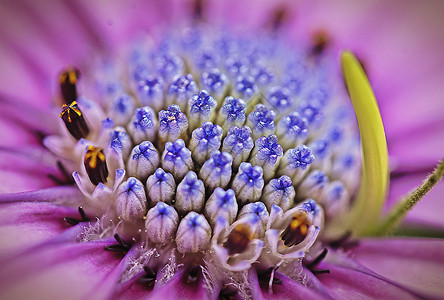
{"type": "Point", "coordinates": [261, 121]}
{"type": "Point", "coordinates": [68, 81]}
{"type": "Point", "coordinates": [215, 82]}
{"type": "Point", "coordinates": [204, 141]}
{"type": "Point", "coordinates": [278, 18]}
{"type": "Point", "coordinates": [232, 113]}
{"type": "Point", "coordinates": [151, 92]}
{"type": "Point", "coordinates": [238, 239]}
{"type": "Point", "coordinates": [73, 221]}
{"type": "Point", "coordinates": [180, 90]}
{"type": "Point", "coordinates": [297, 230]}
{"type": "Point", "coordinates": [95, 165]}
{"type": "Point", "coordinates": [193, 234]}
{"type": "Point", "coordinates": [143, 125]}
{"type": "Point", "coordinates": [193, 274]}
{"type": "Point", "coordinates": [221, 203]}
{"type": "Point", "coordinates": [248, 183]}
{"type": "Point", "coordinates": [237, 66]}
{"type": "Point", "coordinates": [176, 159]}
{"type": "Point", "coordinates": [122, 109]}
{"type": "Point", "coordinates": [168, 65]}
{"type": "Point", "coordinates": [197, 9]}
{"type": "Point", "coordinates": [161, 223]}
{"type": "Point", "coordinates": [320, 42]}
{"type": "Point", "coordinates": [246, 88]}
{"type": "Point", "coordinates": [238, 143]}
{"type": "Point", "coordinates": [201, 108]}
{"type": "Point", "coordinates": [216, 172]}
{"type": "Point", "coordinates": [172, 124]}
{"type": "Point", "coordinates": [161, 187]}
{"type": "Point", "coordinates": [121, 247]}
{"type": "Point", "coordinates": [74, 121]}
{"type": "Point", "coordinates": [296, 162]}
{"type": "Point", "coordinates": [265, 277]}
{"type": "Point", "coordinates": [190, 194]}
{"type": "Point", "coordinates": [267, 154]}
{"type": "Point", "coordinates": [227, 292]}
{"type": "Point", "coordinates": [143, 161]}
{"type": "Point", "coordinates": [279, 99]}
{"type": "Point", "coordinates": [316, 262]}
{"type": "Point", "coordinates": [279, 191]}
{"type": "Point", "coordinates": [149, 278]}
{"type": "Point", "coordinates": [292, 130]}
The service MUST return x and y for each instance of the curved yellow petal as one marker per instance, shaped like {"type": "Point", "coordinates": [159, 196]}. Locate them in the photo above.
{"type": "Point", "coordinates": [365, 212]}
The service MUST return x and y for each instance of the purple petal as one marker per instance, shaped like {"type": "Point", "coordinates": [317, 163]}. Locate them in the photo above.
{"type": "Point", "coordinates": [69, 270]}
{"type": "Point", "coordinates": [288, 289]}
{"type": "Point", "coordinates": [178, 288]}
{"type": "Point", "coordinates": [345, 283]}
{"type": "Point", "coordinates": [418, 147]}
{"type": "Point", "coordinates": [132, 290]}
{"type": "Point", "coordinates": [68, 195]}
{"type": "Point", "coordinates": [415, 263]}
{"type": "Point", "coordinates": [25, 225]}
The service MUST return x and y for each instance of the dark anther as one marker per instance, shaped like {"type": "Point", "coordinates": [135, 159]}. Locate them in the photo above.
{"type": "Point", "coordinates": [227, 292]}
{"type": "Point", "coordinates": [318, 259]}
{"type": "Point", "coordinates": [74, 121]}
{"type": "Point", "coordinates": [68, 84]}
{"type": "Point", "coordinates": [278, 18]}
{"type": "Point", "coordinates": [297, 230]}
{"type": "Point", "coordinates": [320, 42]}
{"type": "Point", "coordinates": [121, 247]}
{"type": "Point", "coordinates": [266, 275]}
{"type": "Point", "coordinates": [149, 278]}
{"type": "Point", "coordinates": [74, 221]}
{"type": "Point", "coordinates": [95, 165]}
{"type": "Point", "coordinates": [66, 179]}
{"type": "Point", "coordinates": [193, 274]}
{"type": "Point", "coordinates": [238, 239]}
{"type": "Point", "coordinates": [71, 221]}
{"type": "Point", "coordinates": [198, 7]}
{"type": "Point", "coordinates": [316, 262]}
{"type": "Point", "coordinates": [326, 271]}
{"type": "Point", "coordinates": [82, 214]}
{"type": "Point", "coordinates": [344, 242]}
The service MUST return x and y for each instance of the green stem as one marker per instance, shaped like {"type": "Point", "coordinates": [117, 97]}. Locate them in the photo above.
{"type": "Point", "coordinates": [397, 214]}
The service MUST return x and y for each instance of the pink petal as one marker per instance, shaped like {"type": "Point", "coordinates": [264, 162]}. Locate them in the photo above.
{"type": "Point", "coordinates": [68, 271]}
{"type": "Point", "coordinates": [345, 283]}
{"type": "Point", "coordinates": [288, 289]}
{"type": "Point", "coordinates": [415, 263]}
{"type": "Point", "coordinates": [178, 288]}
{"type": "Point", "coordinates": [25, 225]}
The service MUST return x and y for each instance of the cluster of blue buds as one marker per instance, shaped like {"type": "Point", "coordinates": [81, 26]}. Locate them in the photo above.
{"type": "Point", "coordinates": [220, 147]}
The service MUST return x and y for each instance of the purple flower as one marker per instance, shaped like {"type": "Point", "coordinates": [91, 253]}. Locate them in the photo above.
{"type": "Point", "coordinates": [253, 184]}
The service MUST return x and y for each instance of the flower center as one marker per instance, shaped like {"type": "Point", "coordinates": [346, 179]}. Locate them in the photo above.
{"type": "Point", "coordinates": [218, 146]}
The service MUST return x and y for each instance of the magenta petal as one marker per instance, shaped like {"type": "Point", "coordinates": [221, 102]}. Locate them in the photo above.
{"type": "Point", "coordinates": [67, 195]}
{"type": "Point", "coordinates": [24, 225]}
{"type": "Point", "coordinates": [132, 290]}
{"type": "Point", "coordinates": [67, 271]}
{"type": "Point", "coordinates": [415, 263]}
{"type": "Point", "coordinates": [178, 288]}
{"type": "Point", "coordinates": [419, 147]}
{"type": "Point", "coordinates": [345, 283]}
{"type": "Point", "coordinates": [428, 212]}
{"type": "Point", "coordinates": [288, 289]}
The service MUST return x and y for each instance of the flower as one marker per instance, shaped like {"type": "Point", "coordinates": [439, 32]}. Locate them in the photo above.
{"type": "Point", "coordinates": [228, 181]}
